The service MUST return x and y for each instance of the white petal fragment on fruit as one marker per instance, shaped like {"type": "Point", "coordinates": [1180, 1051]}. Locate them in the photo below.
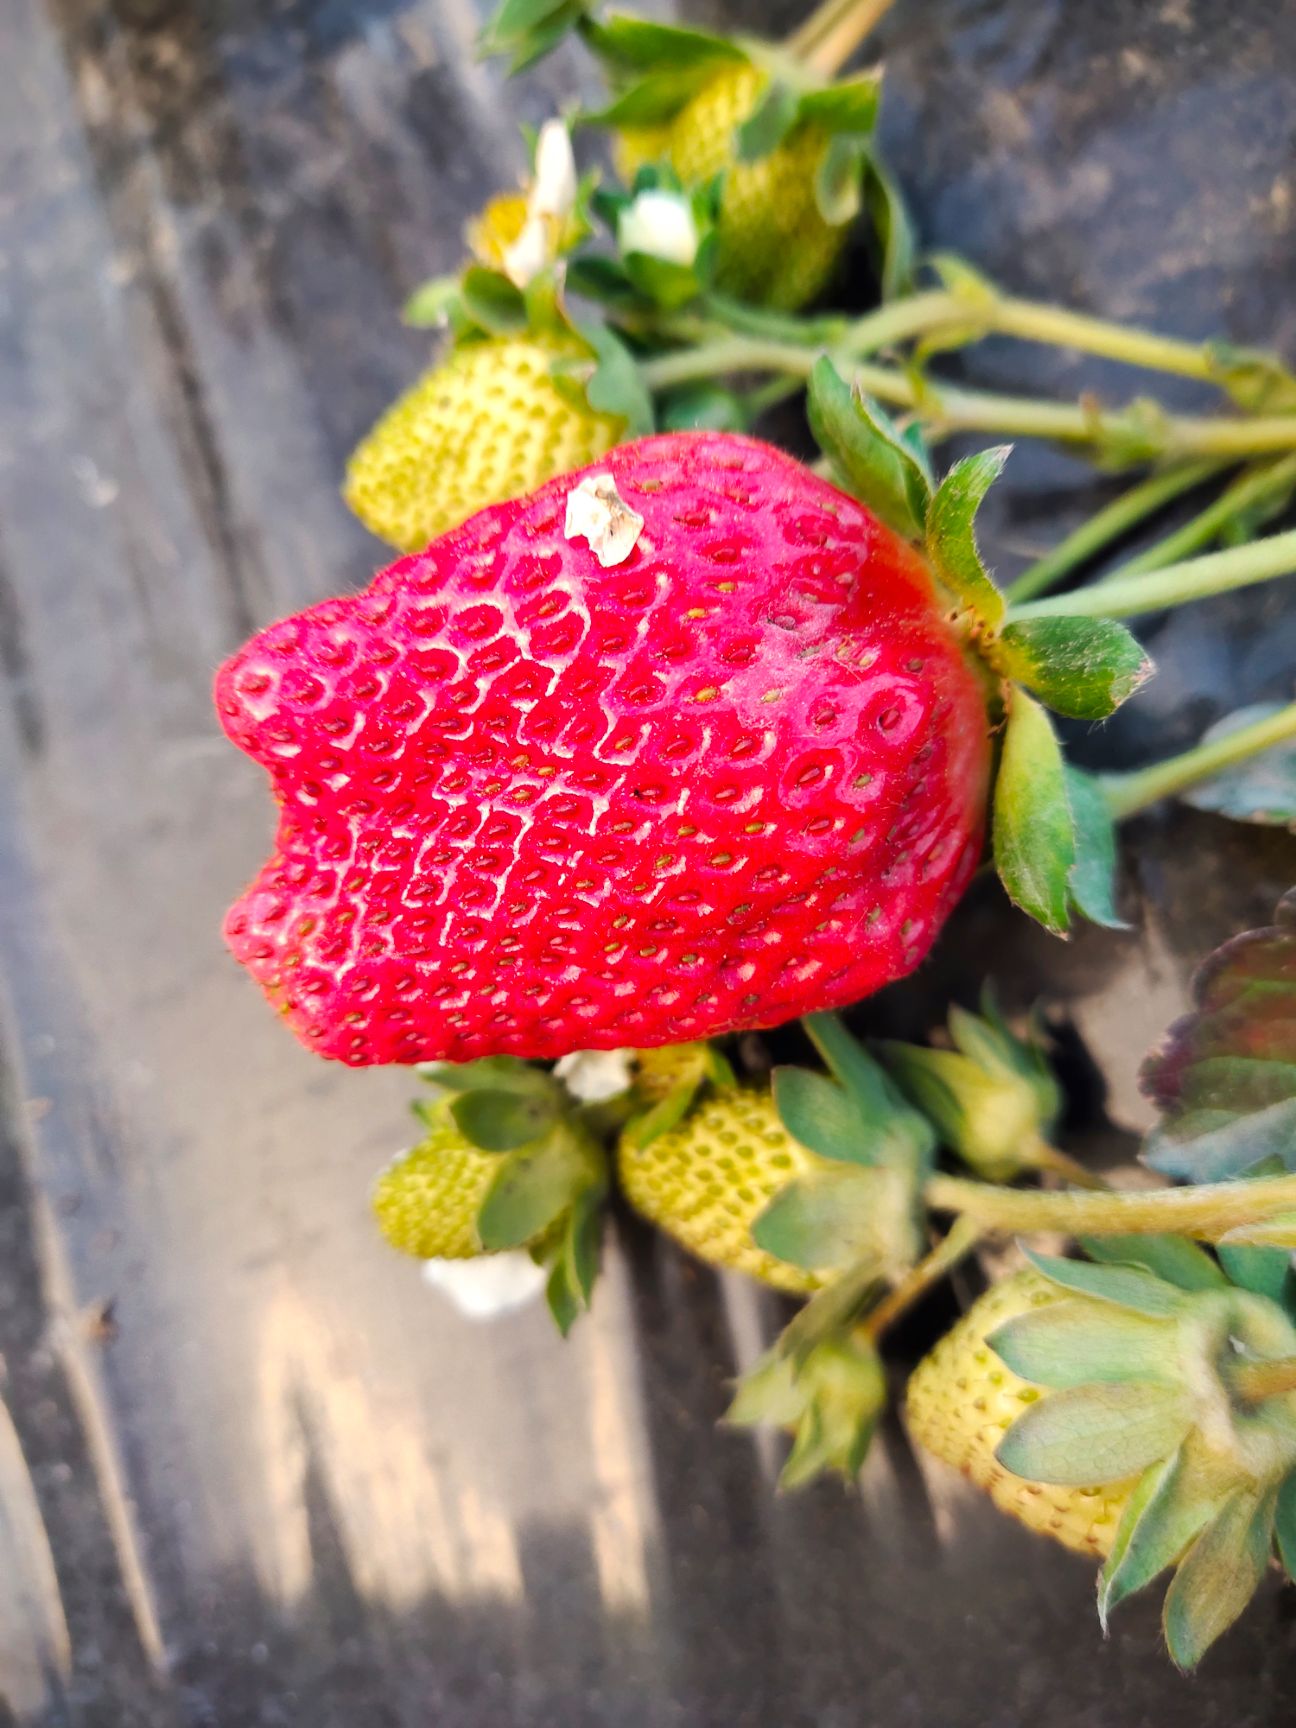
{"type": "Point", "coordinates": [596, 512]}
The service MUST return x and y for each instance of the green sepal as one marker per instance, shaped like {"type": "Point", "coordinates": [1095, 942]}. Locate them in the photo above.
{"type": "Point", "coordinates": [1261, 789]}
{"type": "Point", "coordinates": [1218, 1576]}
{"type": "Point", "coordinates": [830, 1400]}
{"type": "Point", "coordinates": [492, 302]}
{"type": "Point", "coordinates": [874, 460]}
{"type": "Point", "coordinates": [615, 385]}
{"type": "Point", "coordinates": [1034, 833]}
{"type": "Point", "coordinates": [596, 276]}
{"type": "Point", "coordinates": [839, 180]}
{"type": "Point", "coordinates": [428, 307]}
{"type": "Point", "coordinates": [1081, 667]}
{"type": "Point", "coordinates": [1285, 1525]}
{"type": "Point", "coordinates": [821, 1116]}
{"type": "Point", "coordinates": [527, 30]}
{"type": "Point", "coordinates": [535, 1185]}
{"type": "Point", "coordinates": [1173, 1259]}
{"type": "Point", "coordinates": [572, 1257]}
{"type": "Point", "coordinates": [895, 1134]}
{"type": "Point", "coordinates": [666, 284]}
{"type": "Point", "coordinates": [503, 1121]}
{"type": "Point", "coordinates": [653, 99]}
{"type": "Point", "coordinates": [840, 1216]}
{"type": "Point", "coordinates": [1124, 1286]}
{"type": "Point", "coordinates": [626, 44]}
{"type": "Point", "coordinates": [951, 539]}
{"type": "Point", "coordinates": [1078, 1343]}
{"type": "Point", "coordinates": [1092, 880]}
{"type": "Point", "coordinates": [769, 123]}
{"type": "Point", "coordinates": [491, 1074]}
{"type": "Point", "coordinates": [1170, 1507]}
{"type": "Point", "coordinates": [846, 109]}
{"type": "Point", "coordinates": [1085, 1435]}
{"type": "Point", "coordinates": [891, 231]}
{"type": "Point", "coordinates": [706, 1067]}
{"type": "Point", "coordinates": [1263, 1271]}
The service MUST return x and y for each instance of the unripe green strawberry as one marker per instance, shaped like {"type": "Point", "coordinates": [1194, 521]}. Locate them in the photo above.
{"type": "Point", "coordinates": [427, 1200]}
{"type": "Point", "coordinates": [774, 247]}
{"type": "Point", "coordinates": [961, 1402]}
{"type": "Point", "coordinates": [707, 1181]}
{"type": "Point", "coordinates": [486, 424]}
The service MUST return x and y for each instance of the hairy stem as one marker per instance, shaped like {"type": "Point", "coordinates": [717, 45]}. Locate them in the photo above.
{"type": "Point", "coordinates": [1258, 487]}
{"type": "Point", "coordinates": [1205, 1213]}
{"type": "Point", "coordinates": [1194, 579]}
{"type": "Point", "coordinates": [1254, 1381]}
{"type": "Point", "coordinates": [1129, 793]}
{"type": "Point", "coordinates": [833, 32]}
{"type": "Point", "coordinates": [1108, 525]}
{"type": "Point", "coordinates": [1140, 432]}
{"type": "Point", "coordinates": [959, 1241]}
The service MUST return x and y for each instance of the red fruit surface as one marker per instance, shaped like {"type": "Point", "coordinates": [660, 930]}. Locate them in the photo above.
{"type": "Point", "coordinates": [529, 805]}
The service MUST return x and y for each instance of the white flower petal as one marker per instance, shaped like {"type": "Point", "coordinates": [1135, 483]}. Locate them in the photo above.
{"type": "Point", "coordinates": [529, 253]}
{"type": "Point", "coordinates": [593, 1076]}
{"type": "Point", "coordinates": [596, 512]}
{"type": "Point", "coordinates": [660, 224]}
{"type": "Point", "coordinates": [488, 1286]}
{"type": "Point", "coordinates": [553, 191]}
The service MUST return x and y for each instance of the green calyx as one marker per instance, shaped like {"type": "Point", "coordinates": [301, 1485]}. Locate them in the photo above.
{"type": "Point", "coordinates": [1052, 833]}
{"type": "Point", "coordinates": [1166, 1371]}
{"type": "Point", "coordinates": [668, 1083]}
{"type": "Point", "coordinates": [863, 1206]}
{"type": "Point", "coordinates": [991, 1096]}
{"type": "Point", "coordinates": [546, 1192]}
{"type": "Point", "coordinates": [829, 1398]}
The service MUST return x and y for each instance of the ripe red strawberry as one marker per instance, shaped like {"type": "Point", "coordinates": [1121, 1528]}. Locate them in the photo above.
{"type": "Point", "coordinates": [531, 805]}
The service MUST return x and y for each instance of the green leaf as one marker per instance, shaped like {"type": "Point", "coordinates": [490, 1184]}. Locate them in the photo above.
{"type": "Point", "coordinates": [1263, 1271]}
{"type": "Point", "coordinates": [874, 461]}
{"type": "Point", "coordinates": [533, 1188]}
{"type": "Point", "coordinates": [838, 182]}
{"type": "Point", "coordinates": [1034, 830]}
{"type": "Point", "coordinates": [894, 242]}
{"type": "Point", "coordinates": [492, 301]}
{"type": "Point", "coordinates": [1285, 1525]}
{"type": "Point", "coordinates": [430, 303]}
{"type": "Point", "coordinates": [1087, 1435]}
{"type": "Point", "coordinates": [951, 540]}
{"type": "Point", "coordinates": [769, 123]}
{"type": "Point", "coordinates": [1261, 789]}
{"type": "Point", "coordinates": [1219, 1576]}
{"type": "Point", "coordinates": [1171, 1258]}
{"type": "Point", "coordinates": [629, 44]}
{"type": "Point", "coordinates": [1224, 1076]}
{"type": "Point", "coordinates": [1078, 1343]}
{"type": "Point", "coordinates": [1092, 882]}
{"type": "Point", "coordinates": [847, 109]}
{"type": "Point", "coordinates": [615, 386]}
{"type": "Point", "coordinates": [828, 1220]}
{"type": "Point", "coordinates": [1081, 667]}
{"type": "Point", "coordinates": [1124, 1286]}
{"type": "Point", "coordinates": [502, 1121]}
{"type": "Point", "coordinates": [821, 1116]}
{"type": "Point", "coordinates": [1170, 1508]}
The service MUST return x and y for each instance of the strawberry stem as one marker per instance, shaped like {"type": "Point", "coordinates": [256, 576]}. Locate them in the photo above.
{"type": "Point", "coordinates": [1045, 1157]}
{"type": "Point", "coordinates": [1140, 432]}
{"type": "Point", "coordinates": [1106, 526]}
{"type": "Point", "coordinates": [833, 32]}
{"type": "Point", "coordinates": [1129, 793]}
{"type": "Point", "coordinates": [1255, 489]}
{"type": "Point", "coordinates": [1255, 1381]}
{"type": "Point", "coordinates": [959, 1241]}
{"type": "Point", "coordinates": [1206, 1212]}
{"type": "Point", "coordinates": [1194, 579]}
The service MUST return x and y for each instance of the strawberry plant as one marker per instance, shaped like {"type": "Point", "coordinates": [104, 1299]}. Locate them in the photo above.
{"type": "Point", "coordinates": [660, 739]}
